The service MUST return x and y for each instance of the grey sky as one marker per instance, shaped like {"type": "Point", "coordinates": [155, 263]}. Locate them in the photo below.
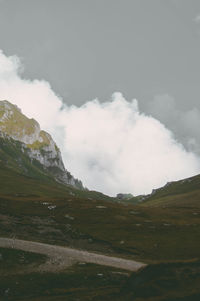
{"type": "Point", "coordinates": [86, 49]}
{"type": "Point", "coordinates": [91, 48]}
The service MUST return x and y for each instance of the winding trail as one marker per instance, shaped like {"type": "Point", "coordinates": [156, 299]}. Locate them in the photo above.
{"type": "Point", "coordinates": [62, 257]}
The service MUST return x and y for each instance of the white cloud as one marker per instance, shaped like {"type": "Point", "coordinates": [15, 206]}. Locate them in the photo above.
{"type": "Point", "coordinates": [35, 98]}
{"type": "Point", "coordinates": [111, 146]}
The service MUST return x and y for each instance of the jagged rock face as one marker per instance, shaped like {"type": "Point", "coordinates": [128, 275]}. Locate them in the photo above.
{"type": "Point", "coordinates": [40, 144]}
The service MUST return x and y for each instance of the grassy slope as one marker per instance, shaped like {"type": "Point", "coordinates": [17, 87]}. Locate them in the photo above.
{"type": "Point", "coordinates": [152, 234]}
{"type": "Point", "coordinates": [80, 282]}
{"type": "Point", "coordinates": [180, 193]}
{"type": "Point", "coordinates": [12, 260]}
{"type": "Point", "coordinates": [80, 219]}
{"type": "Point", "coordinates": [166, 228]}
{"type": "Point", "coordinates": [142, 232]}
{"type": "Point", "coordinates": [171, 281]}
{"type": "Point", "coordinates": [25, 178]}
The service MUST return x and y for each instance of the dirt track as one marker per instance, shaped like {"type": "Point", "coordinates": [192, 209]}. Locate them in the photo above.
{"type": "Point", "coordinates": [62, 257]}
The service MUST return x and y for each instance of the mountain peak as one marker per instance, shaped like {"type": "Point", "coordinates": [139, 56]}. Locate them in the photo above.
{"type": "Point", "coordinates": [40, 145]}
{"type": "Point", "coordinates": [15, 124]}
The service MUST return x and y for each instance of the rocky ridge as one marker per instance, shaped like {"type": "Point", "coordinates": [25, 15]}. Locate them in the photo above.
{"type": "Point", "coordinates": [38, 144]}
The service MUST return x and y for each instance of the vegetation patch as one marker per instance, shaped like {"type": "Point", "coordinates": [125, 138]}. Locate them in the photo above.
{"type": "Point", "coordinates": [13, 261]}
{"type": "Point", "coordinates": [82, 281]}
{"type": "Point", "coordinates": [169, 281]}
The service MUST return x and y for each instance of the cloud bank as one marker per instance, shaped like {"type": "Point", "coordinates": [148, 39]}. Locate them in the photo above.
{"type": "Point", "coordinates": [112, 147]}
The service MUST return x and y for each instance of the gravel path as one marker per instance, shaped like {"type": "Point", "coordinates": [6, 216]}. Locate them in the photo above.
{"type": "Point", "coordinates": [62, 257]}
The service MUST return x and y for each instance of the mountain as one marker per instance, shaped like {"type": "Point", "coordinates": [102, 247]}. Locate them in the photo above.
{"type": "Point", "coordinates": [161, 229]}
{"type": "Point", "coordinates": [28, 149]}
{"type": "Point", "coordinates": [182, 193]}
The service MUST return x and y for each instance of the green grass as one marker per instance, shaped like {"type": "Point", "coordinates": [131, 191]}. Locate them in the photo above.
{"type": "Point", "coordinates": [143, 233]}
{"type": "Point", "coordinates": [180, 193]}
{"type": "Point", "coordinates": [22, 177]}
{"type": "Point", "coordinates": [12, 260]}
{"type": "Point", "coordinates": [80, 282]}
{"type": "Point", "coordinates": [164, 231]}
{"type": "Point", "coordinates": [146, 232]}
{"type": "Point", "coordinates": [169, 281]}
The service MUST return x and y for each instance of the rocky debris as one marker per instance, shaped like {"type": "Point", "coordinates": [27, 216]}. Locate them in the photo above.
{"type": "Point", "coordinates": [134, 212]}
{"type": "Point", "coordinates": [69, 217]}
{"type": "Point", "coordinates": [101, 207]}
{"type": "Point", "coordinates": [51, 207]}
{"type": "Point", "coordinates": [45, 203]}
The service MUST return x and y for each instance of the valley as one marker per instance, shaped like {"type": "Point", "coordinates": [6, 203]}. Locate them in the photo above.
{"type": "Point", "coordinates": [166, 238]}
{"type": "Point", "coordinates": [61, 241]}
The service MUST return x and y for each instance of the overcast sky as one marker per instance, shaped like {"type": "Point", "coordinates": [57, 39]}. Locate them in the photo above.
{"type": "Point", "coordinates": [91, 48]}
{"type": "Point", "coordinates": [87, 49]}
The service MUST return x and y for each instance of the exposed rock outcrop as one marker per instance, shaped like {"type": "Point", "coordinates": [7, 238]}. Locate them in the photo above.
{"type": "Point", "coordinates": [38, 144]}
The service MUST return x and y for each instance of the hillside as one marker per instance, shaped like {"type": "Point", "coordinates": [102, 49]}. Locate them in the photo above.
{"type": "Point", "coordinates": [161, 229]}
{"type": "Point", "coordinates": [183, 193]}
{"type": "Point", "coordinates": [22, 177]}
{"type": "Point", "coordinates": [43, 211]}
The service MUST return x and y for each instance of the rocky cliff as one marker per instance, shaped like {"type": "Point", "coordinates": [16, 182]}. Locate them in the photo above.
{"type": "Point", "coordinates": [37, 143]}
